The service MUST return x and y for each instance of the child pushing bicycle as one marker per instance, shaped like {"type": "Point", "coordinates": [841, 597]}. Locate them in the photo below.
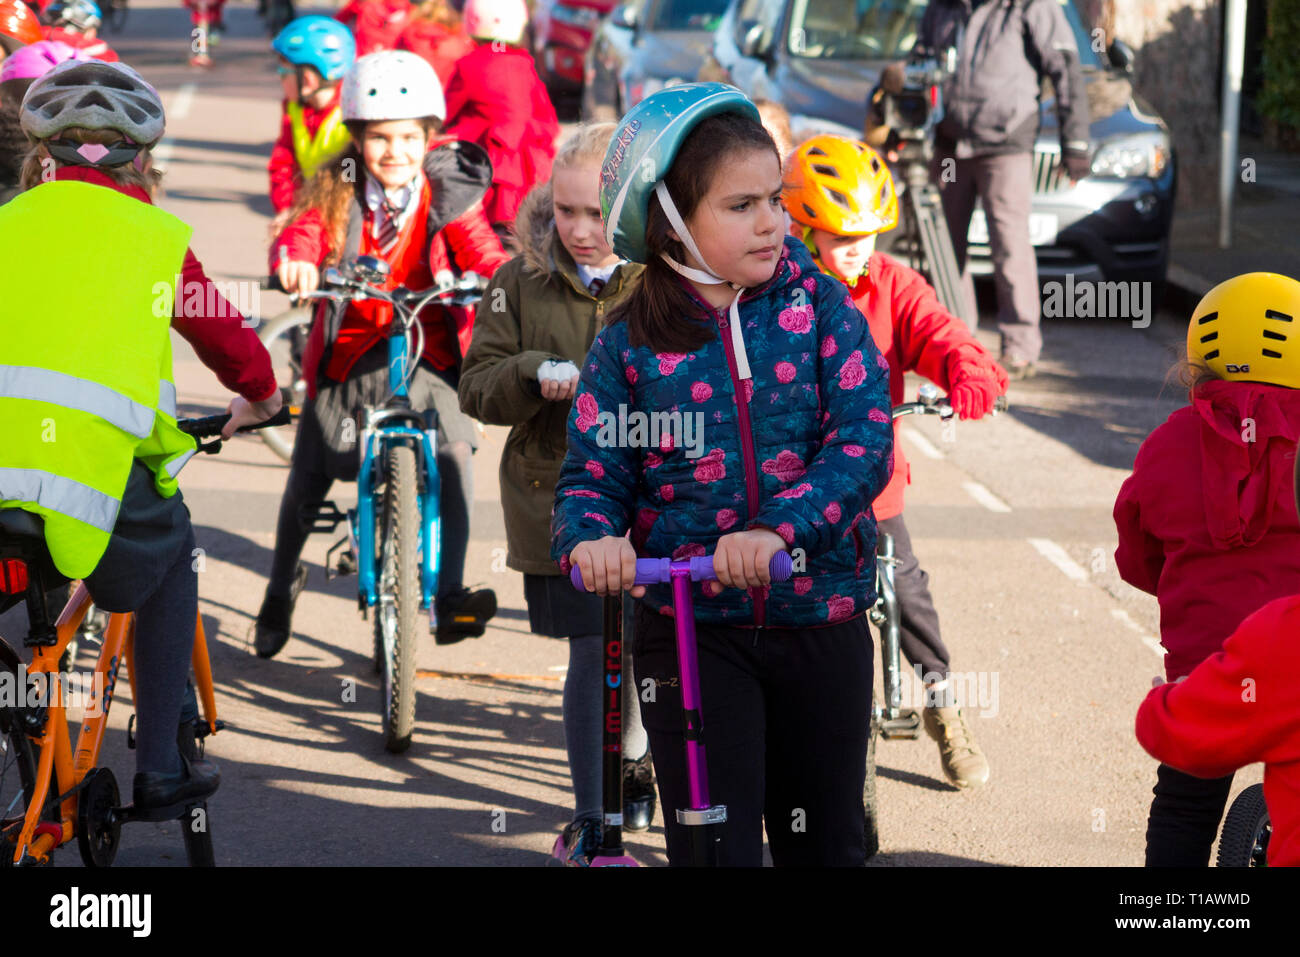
{"type": "Point", "coordinates": [731, 330]}
{"type": "Point", "coordinates": [88, 434]}
{"type": "Point", "coordinates": [841, 195]}
{"type": "Point", "coordinates": [1207, 523]}
{"type": "Point", "coordinates": [383, 196]}
{"type": "Point", "coordinates": [521, 370]}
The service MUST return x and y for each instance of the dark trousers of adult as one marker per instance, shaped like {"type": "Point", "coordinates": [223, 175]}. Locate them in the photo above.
{"type": "Point", "coordinates": [1004, 184]}
{"type": "Point", "coordinates": [1184, 818]}
{"type": "Point", "coordinates": [785, 716]}
{"type": "Point", "coordinates": [918, 630]}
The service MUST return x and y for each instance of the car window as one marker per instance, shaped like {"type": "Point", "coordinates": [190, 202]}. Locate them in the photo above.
{"type": "Point", "coordinates": [854, 29]}
{"type": "Point", "coordinates": [746, 17]}
{"type": "Point", "coordinates": [687, 14]}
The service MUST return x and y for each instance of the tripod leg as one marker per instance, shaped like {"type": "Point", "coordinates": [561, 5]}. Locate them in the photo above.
{"type": "Point", "coordinates": [926, 211]}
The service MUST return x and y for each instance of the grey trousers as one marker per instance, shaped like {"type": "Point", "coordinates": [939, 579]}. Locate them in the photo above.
{"type": "Point", "coordinates": [1004, 184]}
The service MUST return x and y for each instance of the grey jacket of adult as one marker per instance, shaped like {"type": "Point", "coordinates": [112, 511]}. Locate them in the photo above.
{"type": "Point", "coordinates": [1004, 49]}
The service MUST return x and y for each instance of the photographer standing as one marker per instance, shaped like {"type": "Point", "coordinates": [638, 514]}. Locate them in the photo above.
{"type": "Point", "coordinates": [985, 141]}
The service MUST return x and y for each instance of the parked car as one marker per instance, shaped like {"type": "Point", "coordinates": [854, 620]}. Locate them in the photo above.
{"type": "Point", "coordinates": [644, 46]}
{"type": "Point", "coordinates": [561, 31]}
{"type": "Point", "coordinates": [821, 59]}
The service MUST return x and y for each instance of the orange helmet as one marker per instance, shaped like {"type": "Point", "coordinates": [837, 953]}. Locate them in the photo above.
{"type": "Point", "coordinates": [840, 185]}
{"type": "Point", "coordinates": [18, 25]}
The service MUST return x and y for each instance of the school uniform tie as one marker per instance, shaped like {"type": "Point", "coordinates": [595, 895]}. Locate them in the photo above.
{"type": "Point", "coordinates": [595, 286]}
{"type": "Point", "coordinates": [388, 228]}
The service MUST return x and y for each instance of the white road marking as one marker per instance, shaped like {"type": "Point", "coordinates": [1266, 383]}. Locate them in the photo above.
{"type": "Point", "coordinates": [182, 102]}
{"type": "Point", "coordinates": [1147, 639]}
{"type": "Point", "coordinates": [986, 498]}
{"type": "Point", "coordinates": [1055, 554]}
{"type": "Point", "coordinates": [925, 446]}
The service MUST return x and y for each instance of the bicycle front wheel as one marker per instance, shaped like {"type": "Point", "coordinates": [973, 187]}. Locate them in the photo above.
{"type": "Point", "coordinates": [1246, 831]}
{"type": "Point", "coordinates": [397, 617]}
{"type": "Point", "coordinates": [285, 338]}
{"type": "Point", "coordinates": [871, 829]}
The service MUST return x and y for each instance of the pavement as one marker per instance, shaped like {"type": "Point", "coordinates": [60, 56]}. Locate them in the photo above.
{"type": "Point", "coordinates": [1264, 237]}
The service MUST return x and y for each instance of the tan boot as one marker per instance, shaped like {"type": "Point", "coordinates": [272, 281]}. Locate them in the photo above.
{"type": "Point", "coordinates": [963, 761]}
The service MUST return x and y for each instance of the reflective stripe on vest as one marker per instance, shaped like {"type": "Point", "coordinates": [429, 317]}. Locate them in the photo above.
{"type": "Point", "coordinates": [312, 152]}
{"type": "Point", "coordinates": [60, 494]}
{"type": "Point", "coordinates": [86, 387]}
{"type": "Point", "coordinates": [57, 388]}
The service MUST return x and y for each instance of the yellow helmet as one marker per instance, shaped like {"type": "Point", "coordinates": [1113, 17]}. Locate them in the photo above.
{"type": "Point", "coordinates": [840, 185]}
{"type": "Point", "coordinates": [1246, 329]}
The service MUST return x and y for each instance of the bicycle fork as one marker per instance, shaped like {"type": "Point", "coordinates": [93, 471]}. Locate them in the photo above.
{"type": "Point", "coordinates": [893, 719]}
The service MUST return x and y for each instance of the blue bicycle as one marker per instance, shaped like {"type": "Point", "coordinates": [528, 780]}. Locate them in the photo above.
{"type": "Point", "coordinates": [393, 533]}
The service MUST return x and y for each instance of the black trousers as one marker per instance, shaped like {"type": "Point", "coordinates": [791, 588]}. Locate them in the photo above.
{"type": "Point", "coordinates": [1184, 819]}
{"type": "Point", "coordinates": [918, 621]}
{"type": "Point", "coordinates": [785, 716]}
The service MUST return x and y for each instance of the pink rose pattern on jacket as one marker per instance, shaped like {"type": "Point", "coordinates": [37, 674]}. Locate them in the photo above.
{"type": "Point", "coordinates": [822, 447]}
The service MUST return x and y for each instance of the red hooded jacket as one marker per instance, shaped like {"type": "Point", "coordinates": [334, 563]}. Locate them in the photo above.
{"type": "Point", "coordinates": [286, 177]}
{"type": "Point", "coordinates": [915, 334]}
{"type": "Point", "coordinates": [1207, 521]}
{"type": "Point", "coordinates": [497, 100]}
{"type": "Point", "coordinates": [375, 24]}
{"type": "Point", "coordinates": [439, 46]}
{"type": "Point", "coordinates": [468, 243]}
{"type": "Point", "coordinates": [1239, 706]}
{"type": "Point", "coordinates": [224, 342]}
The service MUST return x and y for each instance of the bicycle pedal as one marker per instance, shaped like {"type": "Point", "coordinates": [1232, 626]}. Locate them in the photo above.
{"type": "Point", "coordinates": [906, 727]}
{"type": "Point", "coordinates": [345, 564]}
{"type": "Point", "coordinates": [129, 813]}
{"type": "Point", "coordinates": [320, 516]}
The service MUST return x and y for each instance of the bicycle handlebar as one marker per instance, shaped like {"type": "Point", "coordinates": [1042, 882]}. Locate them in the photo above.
{"type": "Point", "coordinates": [658, 571]}
{"type": "Point", "coordinates": [211, 425]}
{"type": "Point", "coordinates": [939, 406]}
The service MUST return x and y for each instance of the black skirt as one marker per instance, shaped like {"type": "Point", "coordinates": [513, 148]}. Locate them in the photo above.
{"type": "Point", "coordinates": [558, 610]}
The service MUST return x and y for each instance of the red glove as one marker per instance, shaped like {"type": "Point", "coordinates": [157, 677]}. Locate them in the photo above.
{"type": "Point", "coordinates": [973, 398]}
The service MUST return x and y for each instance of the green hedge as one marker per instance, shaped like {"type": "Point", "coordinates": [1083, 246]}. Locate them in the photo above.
{"type": "Point", "coordinates": [1280, 97]}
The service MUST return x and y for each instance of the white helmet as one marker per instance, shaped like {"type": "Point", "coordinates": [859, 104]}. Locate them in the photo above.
{"type": "Point", "coordinates": [392, 85]}
{"type": "Point", "coordinates": [502, 20]}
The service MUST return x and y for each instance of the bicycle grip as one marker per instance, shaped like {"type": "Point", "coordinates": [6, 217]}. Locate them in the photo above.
{"type": "Point", "coordinates": [211, 425]}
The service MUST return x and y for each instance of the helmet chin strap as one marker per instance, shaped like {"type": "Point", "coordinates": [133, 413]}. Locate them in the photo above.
{"type": "Point", "coordinates": [705, 277]}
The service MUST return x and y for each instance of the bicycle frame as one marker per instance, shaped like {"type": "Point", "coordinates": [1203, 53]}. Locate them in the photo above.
{"type": "Point", "coordinates": [383, 428]}
{"type": "Point", "coordinates": [59, 765]}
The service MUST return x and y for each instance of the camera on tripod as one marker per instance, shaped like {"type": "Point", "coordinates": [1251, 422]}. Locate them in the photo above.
{"type": "Point", "coordinates": [912, 112]}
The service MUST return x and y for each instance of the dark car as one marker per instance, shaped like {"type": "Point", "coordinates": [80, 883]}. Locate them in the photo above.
{"type": "Point", "coordinates": [821, 59]}
{"type": "Point", "coordinates": [561, 32]}
{"type": "Point", "coordinates": [644, 46]}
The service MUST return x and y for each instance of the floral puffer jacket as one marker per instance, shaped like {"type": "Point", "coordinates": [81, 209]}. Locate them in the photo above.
{"type": "Point", "coordinates": [803, 447]}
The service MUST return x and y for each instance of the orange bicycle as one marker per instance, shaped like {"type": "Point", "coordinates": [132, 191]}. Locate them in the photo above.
{"type": "Point", "coordinates": [51, 792]}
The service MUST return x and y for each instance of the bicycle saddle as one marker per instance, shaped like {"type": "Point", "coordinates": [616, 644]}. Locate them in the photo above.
{"type": "Point", "coordinates": [22, 536]}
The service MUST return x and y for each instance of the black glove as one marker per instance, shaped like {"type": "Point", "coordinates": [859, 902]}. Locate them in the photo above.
{"type": "Point", "coordinates": [1077, 163]}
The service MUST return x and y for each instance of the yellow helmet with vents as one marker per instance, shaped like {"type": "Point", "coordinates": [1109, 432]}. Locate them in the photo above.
{"type": "Point", "coordinates": [1247, 329]}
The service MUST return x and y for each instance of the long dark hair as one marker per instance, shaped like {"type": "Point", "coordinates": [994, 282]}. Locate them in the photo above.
{"type": "Point", "coordinates": [660, 310]}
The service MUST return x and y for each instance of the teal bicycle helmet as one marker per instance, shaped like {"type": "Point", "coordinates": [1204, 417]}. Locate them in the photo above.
{"type": "Point", "coordinates": [641, 153]}
{"type": "Point", "coordinates": [319, 42]}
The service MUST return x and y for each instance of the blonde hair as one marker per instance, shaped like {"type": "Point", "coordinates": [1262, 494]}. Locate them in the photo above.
{"type": "Point", "coordinates": [39, 160]}
{"type": "Point", "coordinates": [586, 146]}
{"type": "Point", "coordinates": [776, 120]}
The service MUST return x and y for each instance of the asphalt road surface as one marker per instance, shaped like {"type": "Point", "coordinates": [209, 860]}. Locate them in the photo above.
{"type": "Point", "coordinates": [1011, 517]}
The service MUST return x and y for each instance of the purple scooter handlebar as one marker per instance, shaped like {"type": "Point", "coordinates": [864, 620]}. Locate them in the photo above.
{"type": "Point", "coordinates": [658, 571]}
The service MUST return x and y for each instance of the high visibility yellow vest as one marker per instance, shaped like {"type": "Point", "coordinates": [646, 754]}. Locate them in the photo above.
{"type": "Point", "coordinates": [87, 281]}
{"type": "Point", "coordinates": [312, 152]}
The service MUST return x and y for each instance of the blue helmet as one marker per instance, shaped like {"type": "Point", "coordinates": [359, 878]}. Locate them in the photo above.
{"type": "Point", "coordinates": [644, 148]}
{"type": "Point", "coordinates": [319, 42]}
{"type": "Point", "coordinates": [79, 14]}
